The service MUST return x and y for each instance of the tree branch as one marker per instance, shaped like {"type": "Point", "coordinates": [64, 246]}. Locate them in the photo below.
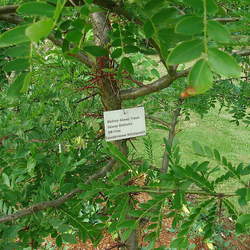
{"type": "Point", "coordinates": [120, 10]}
{"type": "Point", "coordinates": [227, 19]}
{"type": "Point", "coordinates": [11, 18]}
{"type": "Point", "coordinates": [8, 9]}
{"type": "Point", "coordinates": [157, 85]}
{"type": "Point", "coordinates": [158, 120]}
{"type": "Point", "coordinates": [55, 203]}
{"type": "Point", "coordinates": [245, 52]}
{"type": "Point", "coordinates": [80, 56]}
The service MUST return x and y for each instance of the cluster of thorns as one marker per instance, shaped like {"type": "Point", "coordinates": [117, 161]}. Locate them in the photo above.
{"type": "Point", "coordinates": [105, 71]}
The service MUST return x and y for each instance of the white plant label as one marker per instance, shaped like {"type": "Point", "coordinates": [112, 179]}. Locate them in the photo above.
{"type": "Point", "coordinates": [124, 123]}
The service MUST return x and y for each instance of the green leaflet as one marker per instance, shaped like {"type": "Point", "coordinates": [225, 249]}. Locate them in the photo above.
{"type": "Point", "coordinates": [58, 241]}
{"type": "Point", "coordinates": [197, 148]}
{"type": "Point", "coordinates": [26, 83]}
{"type": "Point", "coordinates": [199, 180]}
{"type": "Point", "coordinates": [39, 30]}
{"type": "Point", "coordinates": [130, 49]}
{"type": "Point", "coordinates": [148, 29]}
{"type": "Point", "coordinates": [231, 208]}
{"type": "Point", "coordinates": [16, 65]}
{"type": "Point", "coordinates": [96, 50]}
{"type": "Point", "coordinates": [243, 223]}
{"type": "Point", "coordinates": [198, 5]}
{"type": "Point", "coordinates": [164, 17]}
{"type": "Point", "coordinates": [16, 86]}
{"type": "Point", "coordinates": [180, 243]}
{"type": "Point", "coordinates": [186, 225]}
{"type": "Point", "coordinates": [152, 6]}
{"type": "Point", "coordinates": [190, 25]}
{"type": "Point", "coordinates": [186, 51]}
{"type": "Point", "coordinates": [131, 224]}
{"type": "Point", "coordinates": [178, 199]}
{"type": "Point", "coordinates": [36, 9]}
{"type": "Point", "coordinates": [85, 11]}
{"type": "Point", "coordinates": [201, 77]}
{"type": "Point", "coordinates": [14, 36]}
{"type": "Point", "coordinates": [127, 65]}
{"type": "Point", "coordinates": [113, 150]}
{"type": "Point", "coordinates": [23, 50]}
{"type": "Point", "coordinates": [116, 53]}
{"type": "Point", "coordinates": [70, 238]}
{"type": "Point", "coordinates": [218, 32]}
{"type": "Point", "coordinates": [244, 196]}
{"type": "Point", "coordinates": [74, 36]}
{"type": "Point", "coordinates": [11, 232]}
{"type": "Point", "coordinates": [223, 64]}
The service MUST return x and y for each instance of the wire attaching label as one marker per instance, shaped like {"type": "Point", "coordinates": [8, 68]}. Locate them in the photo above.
{"type": "Point", "coordinates": [124, 123]}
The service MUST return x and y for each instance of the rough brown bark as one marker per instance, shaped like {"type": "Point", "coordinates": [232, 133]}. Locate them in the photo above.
{"type": "Point", "coordinates": [153, 87]}
{"type": "Point", "coordinates": [109, 89]}
{"type": "Point", "coordinates": [8, 9]}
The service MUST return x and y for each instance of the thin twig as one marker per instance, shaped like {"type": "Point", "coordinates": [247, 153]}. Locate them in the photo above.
{"type": "Point", "coordinates": [86, 98]}
{"type": "Point", "coordinates": [158, 120]}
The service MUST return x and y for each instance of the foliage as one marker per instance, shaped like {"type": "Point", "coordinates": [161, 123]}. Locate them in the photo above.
{"type": "Point", "coordinates": [57, 76]}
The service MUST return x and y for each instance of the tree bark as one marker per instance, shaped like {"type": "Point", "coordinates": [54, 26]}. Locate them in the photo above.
{"type": "Point", "coordinates": [109, 89]}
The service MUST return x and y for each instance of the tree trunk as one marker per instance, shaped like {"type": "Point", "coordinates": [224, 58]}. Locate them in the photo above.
{"type": "Point", "coordinates": [109, 89]}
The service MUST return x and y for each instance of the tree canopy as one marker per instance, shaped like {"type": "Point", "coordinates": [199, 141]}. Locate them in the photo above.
{"type": "Point", "coordinates": [63, 63]}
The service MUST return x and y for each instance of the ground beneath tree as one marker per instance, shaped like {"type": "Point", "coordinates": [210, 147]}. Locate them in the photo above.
{"type": "Point", "coordinates": [109, 243]}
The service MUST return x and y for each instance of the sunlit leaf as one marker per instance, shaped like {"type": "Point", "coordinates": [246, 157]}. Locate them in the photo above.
{"type": "Point", "coordinates": [186, 51]}
{"type": "Point", "coordinates": [190, 25]}
{"type": "Point", "coordinates": [36, 9]}
{"type": "Point", "coordinates": [39, 30]}
{"type": "Point", "coordinates": [201, 77]}
{"type": "Point", "coordinates": [218, 32]}
{"type": "Point", "coordinates": [14, 36]}
{"type": "Point", "coordinates": [223, 64]}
